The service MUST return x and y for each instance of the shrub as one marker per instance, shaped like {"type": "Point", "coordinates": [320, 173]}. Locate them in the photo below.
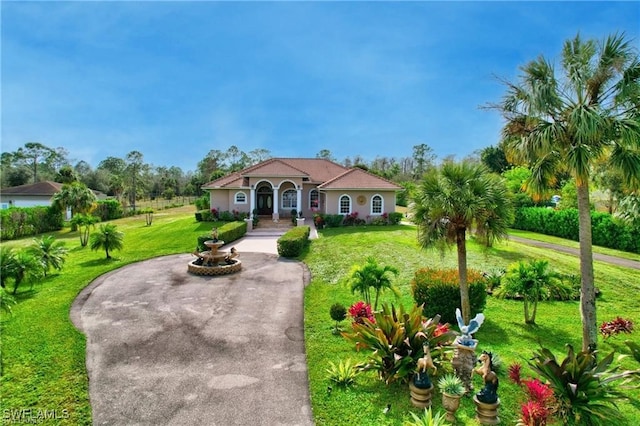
{"type": "Point", "coordinates": [202, 203]}
{"type": "Point", "coordinates": [333, 220]}
{"type": "Point", "coordinates": [428, 418]}
{"type": "Point", "coordinates": [395, 218]}
{"type": "Point", "coordinates": [344, 373]}
{"type": "Point", "coordinates": [396, 341]}
{"type": "Point", "coordinates": [360, 311]}
{"type": "Point", "coordinates": [378, 220]}
{"type": "Point", "coordinates": [338, 313]}
{"type": "Point", "coordinates": [615, 327]}
{"type": "Point", "coordinates": [108, 210]}
{"type": "Point", "coordinates": [225, 216]}
{"type": "Point", "coordinates": [318, 220]}
{"type": "Point", "coordinates": [439, 291]}
{"type": "Point", "coordinates": [294, 241]}
{"type": "Point", "coordinates": [228, 232]}
{"type": "Point", "coordinates": [18, 222]}
{"type": "Point", "coordinates": [352, 219]}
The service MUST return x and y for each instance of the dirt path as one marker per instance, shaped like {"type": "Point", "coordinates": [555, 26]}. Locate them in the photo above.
{"type": "Point", "coordinates": [619, 261]}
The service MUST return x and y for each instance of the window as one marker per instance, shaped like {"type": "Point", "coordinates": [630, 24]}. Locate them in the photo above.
{"type": "Point", "coordinates": [345, 204]}
{"type": "Point", "coordinates": [376, 204]}
{"type": "Point", "coordinates": [241, 198]}
{"type": "Point", "coordinates": [289, 199]}
{"type": "Point", "coordinates": [314, 199]}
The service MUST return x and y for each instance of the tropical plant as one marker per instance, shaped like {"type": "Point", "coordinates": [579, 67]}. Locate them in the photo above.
{"type": "Point", "coordinates": [451, 385]}
{"type": "Point", "coordinates": [360, 311]}
{"type": "Point", "coordinates": [569, 123]}
{"type": "Point", "coordinates": [452, 200]}
{"type": "Point", "coordinates": [634, 348]}
{"type": "Point", "coordinates": [6, 300]}
{"type": "Point", "coordinates": [533, 282]}
{"type": "Point", "coordinates": [584, 388]}
{"type": "Point", "coordinates": [396, 340]}
{"type": "Point", "coordinates": [148, 214]}
{"type": "Point", "coordinates": [363, 278]}
{"type": "Point", "coordinates": [615, 327]}
{"type": "Point", "coordinates": [22, 267]}
{"type": "Point", "coordinates": [427, 419]}
{"type": "Point", "coordinates": [76, 196]}
{"type": "Point", "coordinates": [338, 313]}
{"type": "Point", "coordinates": [51, 253]}
{"type": "Point", "coordinates": [343, 373]}
{"type": "Point", "coordinates": [107, 238]}
{"type": "Point", "coordinates": [84, 223]}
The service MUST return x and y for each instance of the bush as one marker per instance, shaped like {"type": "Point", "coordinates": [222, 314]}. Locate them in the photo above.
{"type": "Point", "coordinates": [294, 241]}
{"type": "Point", "coordinates": [226, 216]}
{"type": "Point", "coordinates": [352, 219]}
{"type": "Point", "coordinates": [439, 291]}
{"type": "Point", "coordinates": [333, 220]}
{"type": "Point", "coordinates": [202, 203]}
{"type": "Point", "coordinates": [108, 210]}
{"type": "Point", "coordinates": [18, 222]}
{"type": "Point", "coordinates": [228, 232]}
{"type": "Point", "coordinates": [395, 218]}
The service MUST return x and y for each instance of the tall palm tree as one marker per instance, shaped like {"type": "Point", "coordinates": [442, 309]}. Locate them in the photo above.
{"type": "Point", "coordinates": [590, 112]}
{"type": "Point", "coordinates": [50, 252]}
{"type": "Point", "coordinates": [84, 222]}
{"type": "Point", "coordinates": [453, 198]}
{"type": "Point", "coordinates": [107, 238]}
{"type": "Point", "coordinates": [369, 276]}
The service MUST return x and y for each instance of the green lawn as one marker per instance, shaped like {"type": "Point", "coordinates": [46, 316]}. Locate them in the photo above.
{"type": "Point", "coordinates": [504, 331]}
{"type": "Point", "coordinates": [43, 356]}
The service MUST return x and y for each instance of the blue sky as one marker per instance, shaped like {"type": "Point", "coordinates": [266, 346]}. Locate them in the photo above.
{"type": "Point", "coordinates": [174, 80]}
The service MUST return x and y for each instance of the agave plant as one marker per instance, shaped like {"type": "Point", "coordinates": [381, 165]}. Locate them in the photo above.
{"type": "Point", "coordinates": [396, 340]}
{"type": "Point", "coordinates": [585, 389]}
{"type": "Point", "coordinates": [427, 419]}
{"type": "Point", "coordinates": [343, 373]}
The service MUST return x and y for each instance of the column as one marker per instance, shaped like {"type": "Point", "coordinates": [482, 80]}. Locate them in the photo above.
{"type": "Point", "coordinates": [299, 201]}
{"type": "Point", "coordinates": [252, 202]}
{"type": "Point", "coordinates": [276, 213]}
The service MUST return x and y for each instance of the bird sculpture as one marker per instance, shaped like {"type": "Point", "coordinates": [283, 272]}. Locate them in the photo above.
{"type": "Point", "coordinates": [467, 330]}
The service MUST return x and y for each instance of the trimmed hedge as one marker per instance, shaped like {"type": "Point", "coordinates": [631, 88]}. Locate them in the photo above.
{"type": "Point", "coordinates": [607, 231]}
{"type": "Point", "coordinates": [439, 291]}
{"type": "Point", "coordinates": [108, 210]}
{"type": "Point", "coordinates": [228, 232]}
{"type": "Point", "coordinates": [294, 241]}
{"type": "Point", "coordinates": [18, 222]}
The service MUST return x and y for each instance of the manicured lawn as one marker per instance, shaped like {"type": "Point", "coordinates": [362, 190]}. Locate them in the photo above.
{"type": "Point", "coordinates": [44, 355]}
{"type": "Point", "coordinates": [504, 331]}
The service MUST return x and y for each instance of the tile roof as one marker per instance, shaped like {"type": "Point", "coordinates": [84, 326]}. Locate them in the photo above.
{"type": "Point", "coordinates": [44, 188]}
{"type": "Point", "coordinates": [328, 174]}
{"type": "Point", "coordinates": [356, 178]}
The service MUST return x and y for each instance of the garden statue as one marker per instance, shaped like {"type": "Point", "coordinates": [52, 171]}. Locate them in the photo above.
{"type": "Point", "coordinates": [489, 393]}
{"type": "Point", "coordinates": [229, 258]}
{"type": "Point", "coordinates": [214, 234]}
{"type": "Point", "coordinates": [421, 378]}
{"type": "Point", "coordinates": [464, 358]}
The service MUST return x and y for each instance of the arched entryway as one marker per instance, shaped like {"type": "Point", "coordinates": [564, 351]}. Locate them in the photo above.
{"type": "Point", "coordinates": [264, 200]}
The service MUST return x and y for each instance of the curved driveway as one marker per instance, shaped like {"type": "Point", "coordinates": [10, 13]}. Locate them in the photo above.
{"type": "Point", "coordinates": [167, 347]}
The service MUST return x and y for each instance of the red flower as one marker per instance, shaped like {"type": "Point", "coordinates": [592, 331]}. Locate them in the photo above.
{"type": "Point", "coordinates": [538, 391]}
{"type": "Point", "coordinates": [534, 414]}
{"type": "Point", "coordinates": [360, 310]}
{"type": "Point", "coordinates": [440, 330]}
{"type": "Point", "coordinates": [514, 373]}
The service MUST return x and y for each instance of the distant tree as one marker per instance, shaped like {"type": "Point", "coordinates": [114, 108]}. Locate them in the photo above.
{"type": "Point", "coordinates": [33, 153]}
{"type": "Point", "coordinates": [107, 238]}
{"type": "Point", "coordinates": [134, 183]}
{"type": "Point", "coordinates": [50, 252]}
{"type": "Point", "coordinates": [494, 158]}
{"type": "Point", "coordinates": [258, 155]}
{"type": "Point", "coordinates": [326, 154]}
{"type": "Point", "coordinates": [455, 198]}
{"type": "Point", "coordinates": [423, 158]}
{"type": "Point", "coordinates": [236, 159]}
{"type": "Point", "coordinates": [74, 195]}
{"type": "Point", "coordinates": [66, 175]}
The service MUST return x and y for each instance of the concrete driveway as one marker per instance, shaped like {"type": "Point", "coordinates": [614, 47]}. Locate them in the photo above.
{"type": "Point", "coordinates": [167, 347]}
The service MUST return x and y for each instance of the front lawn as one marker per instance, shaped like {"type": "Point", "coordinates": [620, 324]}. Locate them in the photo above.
{"type": "Point", "coordinates": [504, 331]}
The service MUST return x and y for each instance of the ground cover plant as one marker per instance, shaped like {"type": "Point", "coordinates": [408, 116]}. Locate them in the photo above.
{"type": "Point", "coordinates": [368, 400]}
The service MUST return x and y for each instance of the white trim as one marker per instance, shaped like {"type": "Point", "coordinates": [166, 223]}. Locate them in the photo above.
{"type": "Point", "coordinates": [235, 197]}
{"type": "Point", "coordinates": [381, 205]}
{"type": "Point", "coordinates": [317, 199]}
{"type": "Point", "coordinates": [294, 199]}
{"type": "Point", "coordinates": [340, 204]}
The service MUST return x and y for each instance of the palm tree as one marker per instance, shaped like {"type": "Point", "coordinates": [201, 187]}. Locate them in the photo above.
{"type": "Point", "coordinates": [589, 113]}
{"type": "Point", "coordinates": [371, 275]}
{"type": "Point", "coordinates": [107, 238]}
{"type": "Point", "coordinates": [84, 222]}
{"type": "Point", "coordinates": [50, 252]}
{"type": "Point", "coordinates": [453, 198]}
{"type": "Point", "coordinates": [20, 267]}
{"type": "Point", "coordinates": [75, 195]}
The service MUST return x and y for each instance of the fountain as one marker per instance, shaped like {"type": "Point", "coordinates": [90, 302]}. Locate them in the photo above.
{"type": "Point", "coordinates": [215, 261]}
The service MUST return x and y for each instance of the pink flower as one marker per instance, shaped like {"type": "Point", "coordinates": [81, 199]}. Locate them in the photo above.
{"type": "Point", "coordinates": [360, 310]}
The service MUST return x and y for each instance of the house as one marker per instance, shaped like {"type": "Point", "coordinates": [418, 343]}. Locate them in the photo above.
{"type": "Point", "coordinates": [34, 194]}
{"type": "Point", "coordinates": [277, 186]}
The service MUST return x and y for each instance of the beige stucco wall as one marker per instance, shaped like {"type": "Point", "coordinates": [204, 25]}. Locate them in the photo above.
{"type": "Point", "coordinates": [364, 209]}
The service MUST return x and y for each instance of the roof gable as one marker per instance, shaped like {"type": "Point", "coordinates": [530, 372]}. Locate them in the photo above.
{"type": "Point", "coordinates": [44, 188]}
{"type": "Point", "coordinates": [356, 178]}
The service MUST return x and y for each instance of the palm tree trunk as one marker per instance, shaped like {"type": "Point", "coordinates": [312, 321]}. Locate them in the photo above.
{"type": "Point", "coordinates": [587, 291]}
{"type": "Point", "coordinates": [461, 242]}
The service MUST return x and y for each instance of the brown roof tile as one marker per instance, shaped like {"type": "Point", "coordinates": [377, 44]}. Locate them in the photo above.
{"type": "Point", "coordinates": [357, 178]}
{"type": "Point", "coordinates": [38, 188]}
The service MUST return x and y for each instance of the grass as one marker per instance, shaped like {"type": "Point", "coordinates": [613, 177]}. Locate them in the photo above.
{"type": "Point", "coordinates": [43, 355]}
{"type": "Point", "coordinates": [504, 331]}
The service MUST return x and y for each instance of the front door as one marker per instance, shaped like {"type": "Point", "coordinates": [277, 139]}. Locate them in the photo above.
{"type": "Point", "coordinates": [265, 201]}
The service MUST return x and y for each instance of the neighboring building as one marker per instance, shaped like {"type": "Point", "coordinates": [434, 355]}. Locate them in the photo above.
{"type": "Point", "coordinates": [276, 186]}
{"type": "Point", "coordinates": [34, 194]}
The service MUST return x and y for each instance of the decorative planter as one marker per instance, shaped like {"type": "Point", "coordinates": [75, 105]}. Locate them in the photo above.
{"type": "Point", "coordinates": [451, 403]}
{"type": "Point", "coordinates": [464, 359]}
{"type": "Point", "coordinates": [300, 221]}
{"type": "Point", "coordinates": [487, 414]}
{"type": "Point", "coordinates": [420, 398]}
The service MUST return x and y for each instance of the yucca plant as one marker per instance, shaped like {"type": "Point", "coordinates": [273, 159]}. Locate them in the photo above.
{"type": "Point", "coordinates": [343, 373]}
{"type": "Point", "coordinates": [451, 385]}
{"type": "Point", "coordinates": [585, 389]}
{"type": "Point", "coordinates": [396, 340]}
{"type": "Point", "coordinates": [427, 419]}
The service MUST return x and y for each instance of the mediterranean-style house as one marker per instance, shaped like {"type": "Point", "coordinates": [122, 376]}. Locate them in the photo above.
{"type": "Point", "coordinates": [277, 186]}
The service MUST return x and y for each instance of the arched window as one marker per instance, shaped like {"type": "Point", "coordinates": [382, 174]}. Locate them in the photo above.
{"type": "Point", "coordinates": [290, 199]}
{"type": "Point", "coordinates": [377, 204]}
{"type": "Point", "coordinates": [314, 199]}
{"type": "Point", "coordinates": [241, 198]}
{"type": "Point", "coordinates": [345, 204]}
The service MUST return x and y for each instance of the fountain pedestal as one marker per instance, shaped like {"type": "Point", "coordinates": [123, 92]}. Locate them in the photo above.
{"type": "Point", "coordinates": [214, 262]}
